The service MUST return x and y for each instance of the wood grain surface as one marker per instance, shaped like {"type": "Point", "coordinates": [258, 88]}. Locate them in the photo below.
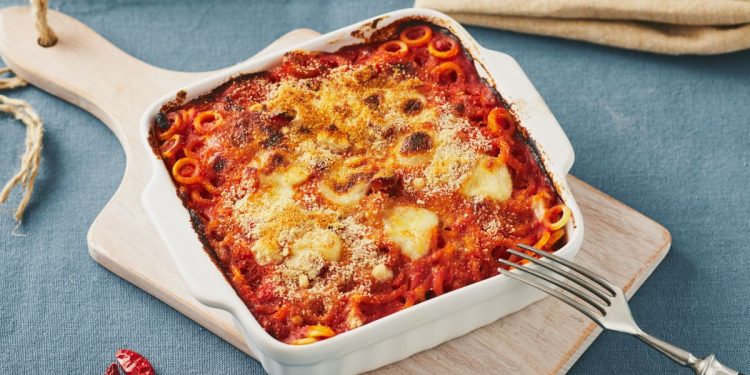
{"type": "Point", "coordinates": [86, 70]}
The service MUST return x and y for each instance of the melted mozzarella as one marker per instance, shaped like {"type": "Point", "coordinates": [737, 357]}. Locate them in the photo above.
{"type": "Point", "coordinates": [489, 179]}
{"type": "Point", "coordinates": [266, 251]}
{"type": "Point", "coordinates": [353, 319]}
{"type": "Point", "coordinates": [538, 206]}
{"type": "Point", "coordinates": [294, 175]}
{"type": "Point", "coordinates": [413, 160]}
{"type": "Point", "coordinates": [346, 176]}
{"type": "Point", "coordinates": [322, 241]}
{"type": "Point", "coordinates": [382, 273]}
{"type": "Point", "coordinates": [334, 141]}
{"type": "Point", "coordinates": [345, 199]}
{"type": "Point", "coordinates": [281, 176]}
{"type": "Point", "coordinates": [413, 229]}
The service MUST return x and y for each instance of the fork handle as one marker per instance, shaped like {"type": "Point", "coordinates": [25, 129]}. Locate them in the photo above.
{"type": "Point", "coordinates": [706, 366]}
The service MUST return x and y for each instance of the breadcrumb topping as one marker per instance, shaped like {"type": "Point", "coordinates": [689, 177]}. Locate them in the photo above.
{"type": "Point", "coordinates": [347, 128]}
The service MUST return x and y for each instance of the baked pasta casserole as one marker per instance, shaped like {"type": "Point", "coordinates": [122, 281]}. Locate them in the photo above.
{"type": "Point", "coordinates": [339, 188]}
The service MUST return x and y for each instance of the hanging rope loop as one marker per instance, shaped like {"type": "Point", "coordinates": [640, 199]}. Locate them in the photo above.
{"type": "Point", "coordinates": [47, 37]}
{"type": "Point", "coordinates": [26, 175]}
{"type": "Point", "coordinates": [21, 110]}
{"type": "Point", "coordinates": [9, 83]}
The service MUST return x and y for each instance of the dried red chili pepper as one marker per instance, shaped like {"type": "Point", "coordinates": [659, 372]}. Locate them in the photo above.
{"type": "Point", "coordinates": [133, 363]}
{"type": "Point", "coordinates": [112, 369]}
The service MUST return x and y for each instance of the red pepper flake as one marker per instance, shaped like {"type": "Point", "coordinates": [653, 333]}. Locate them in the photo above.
{"type": "Point", "coordinates": [133, 363]}
{"type": "Point", "coordinates": [112, 369]}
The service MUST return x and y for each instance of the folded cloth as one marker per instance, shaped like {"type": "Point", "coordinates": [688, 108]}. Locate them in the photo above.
{"type": "Point", "coordinates": [674, 27]}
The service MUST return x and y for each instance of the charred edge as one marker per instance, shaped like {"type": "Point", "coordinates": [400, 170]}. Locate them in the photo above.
{"type": "Point", "coordinates": [362, 30]}
{"type": "Point", "coordinates": [412, 106]}
{"type": "Point", "coordinates": [219, 164]}
{"type": "Point", "coordinates": [536, 153]}
{"type": "Point", "coordinates": [274, 139]}
{"type": "Point", "coordinates": [373, 101]}
{"type": "Point", "coordinates": [161, 121]}
{"type": "Point", "coordinates": [199, 226]}
{"type": "Point", "coordinates": [391, 185]}
{"type": "Point", "coordinates": [416, 143]}
{"type": "Point", "coordinates": [153, 143]}
{"type": "Point", "coordinates": [210, 96]}
{"type": "Point", "coordinates": [395, 28]}
{"type": "Point", "coordinates": [178, 101]}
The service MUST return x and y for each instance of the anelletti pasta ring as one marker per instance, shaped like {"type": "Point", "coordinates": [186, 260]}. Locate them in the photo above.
{"type": "Point", "coordinates": [499, 120]}
{"type": "Point", "coordinates": [170, 147]}
{"type": "Point", "coordinates": [194, 172]}
{"type": "Point", "coordinates": [206, 121]}
{"type": "Point", "coordinates": [175, 125]}
{"type": "Point", "coordinates": [443, 48]}
{"type": "Point", "coordinates": [394, 48]}
{"type": "Point", "coordinates": [542, 240]}
{"type": "Point", "coordinates": [565, 216]}
{"type": "Point", "coordinates": [192, 147]}
{"type": "Point", "coordinates": [416, 36]}
{"type": "Point", "coordinates": [187, 115]}
{"type": "Point", "coordinates": [318, 331]}
{"type": "Point", "coordinates": [198, 195]}
{"type": "Point", "coordinates": [448, 72]}
{"type": "Point", "coordinates": [556, 236]}
{"type": "Point", "coordinates": [304, 341]}
{"type": "Point", "coordinates": [208, 186]}
{"type": "Point", "coordinates": [315, 333]}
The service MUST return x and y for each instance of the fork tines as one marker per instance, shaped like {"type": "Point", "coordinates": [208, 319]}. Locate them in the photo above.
{"type": "Point", "coordinates": [594, 294]}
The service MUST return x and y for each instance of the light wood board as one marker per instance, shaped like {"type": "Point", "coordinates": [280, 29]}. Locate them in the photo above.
{"type": "Point", "coordinates": [86, 70]}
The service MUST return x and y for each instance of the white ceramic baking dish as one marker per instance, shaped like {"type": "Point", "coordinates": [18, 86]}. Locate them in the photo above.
{"type": "Point", "coordinates": [406, 332]}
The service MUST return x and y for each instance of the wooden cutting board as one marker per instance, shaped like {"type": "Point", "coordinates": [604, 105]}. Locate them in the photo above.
{"type": "Point", "coordinates": [86, 70]}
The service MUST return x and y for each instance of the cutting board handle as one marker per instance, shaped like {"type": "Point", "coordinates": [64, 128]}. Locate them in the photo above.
{"type": "Point", "coordinates": [84, 68]}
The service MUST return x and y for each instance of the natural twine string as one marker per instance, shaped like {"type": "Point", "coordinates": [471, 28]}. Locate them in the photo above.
{"type": "Point", "coordinates": [21, 110]}
{"type": "Point", "coordinates": [8, 83]}
{"type": "Point", "coordinates": [47, 37]}
{"type": "Point", "coordinates": [26, 175]}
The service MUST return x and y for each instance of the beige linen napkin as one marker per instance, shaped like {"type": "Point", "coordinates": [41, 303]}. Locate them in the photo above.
{"type": "Point", "coordinates": [672, 27]}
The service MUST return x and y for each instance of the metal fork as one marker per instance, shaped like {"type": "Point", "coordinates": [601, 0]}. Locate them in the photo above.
{"type": "Point", "coordinates": [603, 302]}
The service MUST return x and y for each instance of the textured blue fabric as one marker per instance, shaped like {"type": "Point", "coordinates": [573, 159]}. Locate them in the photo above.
{"type": "Point", "coordinates": [668, 136]}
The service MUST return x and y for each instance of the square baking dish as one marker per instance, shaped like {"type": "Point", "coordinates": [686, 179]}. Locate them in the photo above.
{"type": "Point", "coordinates": [408, 331]}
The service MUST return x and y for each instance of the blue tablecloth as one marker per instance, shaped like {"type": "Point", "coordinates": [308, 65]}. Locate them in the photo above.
{"type": "Point", "coordinates": [669, 136]}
